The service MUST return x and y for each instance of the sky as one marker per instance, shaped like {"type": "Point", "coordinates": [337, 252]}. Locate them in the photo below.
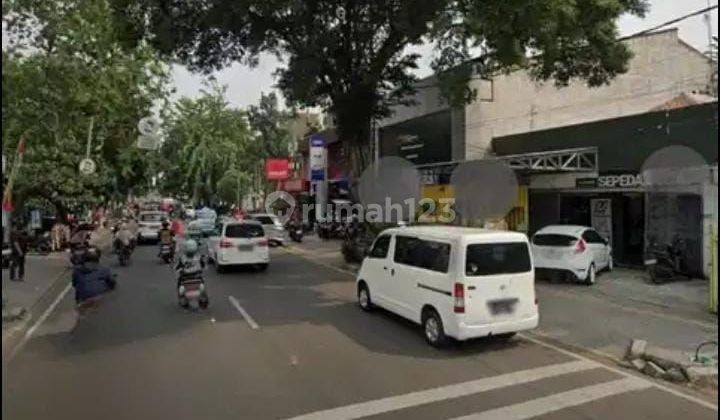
{"type": "Point", "coordinates": [246, 84]}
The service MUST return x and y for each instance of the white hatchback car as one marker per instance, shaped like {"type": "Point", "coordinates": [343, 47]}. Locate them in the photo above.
{"type": "Point", "coordinates": [456, 282]}
{"type": "Point", "coordinates": [576, 251]}
{"type": "Point", "coordinates": [273, 227]}
{"type": "Point", "coordinates": [239, 243]}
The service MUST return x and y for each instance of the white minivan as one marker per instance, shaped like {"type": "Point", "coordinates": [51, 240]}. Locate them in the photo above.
{"type": "Point", "coordinates": [456, 282]}
{"type": "Point", "coordinates": [241, 242]}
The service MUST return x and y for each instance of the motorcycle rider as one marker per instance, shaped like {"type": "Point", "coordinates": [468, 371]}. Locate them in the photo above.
{"type": "Point", "coordinates": [123, 237]}
{"type": "Point", "coordinates": [166, 237]}
{"type": "Point", "coordinates": [90, 279]}
{"type": "Point", "coordinates": [189, 262]}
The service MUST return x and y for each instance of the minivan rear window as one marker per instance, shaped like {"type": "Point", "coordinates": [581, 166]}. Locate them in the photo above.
{"type": "Point", "coordinates": [152, 217]}
{"type": "Point", "coordinates": [244, 231]}
{"type": "Point", "coordinates": [497, 258]}
{"type": "Point", "coordinates": [553, 239]}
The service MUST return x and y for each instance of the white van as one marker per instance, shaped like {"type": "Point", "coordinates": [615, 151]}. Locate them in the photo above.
{"type": "Point", "coordinates": [239, 243]}
{"type": "Point", "coordinates": [456, 282]}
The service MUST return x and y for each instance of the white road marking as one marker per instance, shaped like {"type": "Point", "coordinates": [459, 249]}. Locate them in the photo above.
{"type": "Point", "coordinates": [556, 402]}
{"type": "Point", "coordinates": [251, 322]}
{"type": "Point", "coordinates": [412, 399]}
{"type": "Point", "coordinates": [39, 321]}
{"type": "Point", "coordinates": [665, 388]}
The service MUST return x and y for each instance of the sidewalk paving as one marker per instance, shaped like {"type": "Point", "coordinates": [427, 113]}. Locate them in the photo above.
{"type": "Point", "coordinates": [41, 273]}
{"type": "Point", "coordinates": [603, 318]}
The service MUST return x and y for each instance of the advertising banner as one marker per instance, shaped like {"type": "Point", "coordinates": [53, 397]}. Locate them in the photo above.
{"type": "Point", "coordinates": [277, 169]}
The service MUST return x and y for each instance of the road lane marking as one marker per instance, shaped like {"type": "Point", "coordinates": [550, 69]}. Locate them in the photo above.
{"type": "Point", "coordinates": [525, 336]}
{"type": "Point", "coordinates": [251, 322]}
{"type": "Point", "coordinates": [39, 321]}
{"type": "Point", "coordinates": [621, 372]}
{"type": "Point", "coordinates": [398, 402]}
{"type": "Point", "coordinates": [556, 402]}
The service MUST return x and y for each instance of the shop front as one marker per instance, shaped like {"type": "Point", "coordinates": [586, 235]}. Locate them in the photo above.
{"type": "Point", "coordinates": [617, 213]}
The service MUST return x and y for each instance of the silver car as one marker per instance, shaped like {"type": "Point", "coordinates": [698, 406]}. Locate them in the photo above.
{"type": "Point", "coordinates": [273, 227]}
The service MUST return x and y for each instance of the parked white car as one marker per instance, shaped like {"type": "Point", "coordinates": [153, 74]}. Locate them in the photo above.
{"type": "Point", "coordinates": [576, 251]}
{"type": "Point", "coordinates": [273, 227]}
{"type": "Point", "coordinates": [239, 243]}
{"type": "Point", "coordinates": [149, 223]}
{"type": "Point", "coordinates": [456, 282]}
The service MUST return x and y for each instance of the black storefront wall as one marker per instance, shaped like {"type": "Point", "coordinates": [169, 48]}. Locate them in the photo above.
{"type": "Point", "coordinates": [574, 207]}
{"type": "Point", "coordinates": [623, 146]}
{"type": "Point", "coordinates": [426, 139]}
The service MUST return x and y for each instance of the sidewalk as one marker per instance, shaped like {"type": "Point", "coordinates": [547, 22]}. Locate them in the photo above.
{"type": "Point", "coordinates": [603, 318]}
{"type": "Point", "coordinates": [22, 298]}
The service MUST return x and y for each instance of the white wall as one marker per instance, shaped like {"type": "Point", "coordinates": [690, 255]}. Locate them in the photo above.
{"type": "Point", "coordinates": [663, 67]}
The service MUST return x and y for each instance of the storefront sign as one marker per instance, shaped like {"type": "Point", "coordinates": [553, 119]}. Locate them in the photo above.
{"type": "Point", "coordinates": [611, 181]}
{"type": "Point", "coordinates": [277, 169]}
{"type": "Point", "coordinates": [317, 162]}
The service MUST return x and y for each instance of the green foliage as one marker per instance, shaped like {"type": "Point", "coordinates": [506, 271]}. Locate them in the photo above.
{"type": "Point", "coordinates": [350, 57]}
{"type": "Point", "coordinates": [205, 138]}
{"type": "Point", "coordinates": [64, 67]}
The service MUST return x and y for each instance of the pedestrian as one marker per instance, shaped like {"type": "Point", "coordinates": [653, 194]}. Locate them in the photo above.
{"type": "Point", "coordinates": [57, 235]}
{"type": "Point", "coordinates": [18, 244]}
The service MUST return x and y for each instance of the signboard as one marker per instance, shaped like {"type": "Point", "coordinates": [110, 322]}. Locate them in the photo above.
{"type": "Point", "coordinates": [611, 181]}
{"type": "Point", "coordinates": [149, 138]}
{"type": "Point", "coordinates": [601, 217]}
{"type": "Point", "coordinates": [277, 169]}
{"type": "Point", "coordinates": [292, 185]}
{"type": "Point", "coordinates": [35, 222]}
{"type": "Point", "coordinates": [318, 158]}
{"type": "Point", "coordinates": [87, 166]}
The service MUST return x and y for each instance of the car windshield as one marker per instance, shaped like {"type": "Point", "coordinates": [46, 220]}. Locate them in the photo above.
{"type": "Point", "coordinates": [497, 258]}
{"type": "Point", "coordinates": [244, 230]}
{"type": "Point", "coordinates": [152, 217]}
{"type": "Point", "coordinates": [553, 239]}
{"type": "Point", "coordinates": [265, 220]}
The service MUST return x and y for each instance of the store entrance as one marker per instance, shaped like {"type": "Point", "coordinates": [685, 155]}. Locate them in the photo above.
{"type": "Point", "coordinates": [628, 221]}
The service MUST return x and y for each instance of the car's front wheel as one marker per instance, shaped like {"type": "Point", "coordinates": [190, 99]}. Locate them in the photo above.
{"type": "Point", "coordinates": [364, 299]}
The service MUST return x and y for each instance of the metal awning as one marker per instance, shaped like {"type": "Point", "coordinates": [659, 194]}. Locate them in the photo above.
{"type": "Point", "coordinates": [584, 159]}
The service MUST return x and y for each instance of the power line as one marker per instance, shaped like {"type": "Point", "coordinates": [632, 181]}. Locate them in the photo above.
{"type": "Point", "coordinates": [670, 22]}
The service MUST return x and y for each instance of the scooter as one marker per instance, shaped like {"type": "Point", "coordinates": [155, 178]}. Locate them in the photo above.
{"type": "Point", "coordinates": [167, 252]}
{"type": "Point", "coordinates": [665, 263]}
{"type": "Point", "coordinates": [123, 253]}
{"type": "Point", "coordinates": [191, 287]}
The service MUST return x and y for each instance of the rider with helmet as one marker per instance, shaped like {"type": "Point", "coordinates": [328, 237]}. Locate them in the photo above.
{"type": "Point", "coordinates": [166, 237]}
{"type": "Point", "coordinates": [190, 282]}
{"type": "Point", "coordinates": [90, 279]}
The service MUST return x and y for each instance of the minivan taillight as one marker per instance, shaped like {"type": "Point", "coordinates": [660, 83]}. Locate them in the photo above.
{"type": "Point", "coordinates": [263, 242]}
{"type": "Point", "coordinates": [225, 244]}
{"type": "Point", "coordinates": [459, 294]}
{"type": "Point", "coordinates": [580, 246]}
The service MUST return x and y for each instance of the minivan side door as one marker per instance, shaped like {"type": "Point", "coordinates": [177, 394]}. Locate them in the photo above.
{"type": "Point", "coordinates": [420, 275]}
{"type": "Point", "coordinates": [376, 269]}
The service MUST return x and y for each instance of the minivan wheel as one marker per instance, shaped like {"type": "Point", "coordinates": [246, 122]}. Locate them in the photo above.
{"type": "Point", "coordinates": [433, 328]}
{"type": "Point", "coordinates": [590, 278]}
{"type": "Point", "coordinates": [364, 298]}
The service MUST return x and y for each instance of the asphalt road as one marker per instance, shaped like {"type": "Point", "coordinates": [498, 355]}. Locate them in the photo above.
{"type": "Point", "coordinates": [291, 342]}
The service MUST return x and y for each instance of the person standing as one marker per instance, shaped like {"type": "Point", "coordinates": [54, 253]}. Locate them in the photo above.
{"type": "Point", "coordinates": [18, 244]}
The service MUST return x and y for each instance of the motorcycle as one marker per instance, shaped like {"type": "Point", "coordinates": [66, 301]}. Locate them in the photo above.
{"type": "Point", "coordinates": [295, 231]}
{"type": "Point", "coordinates": [167, 252]}
{"type": "Point", "coordinates": [191, 286]}
{"type": "Point", "coordinates": [665, 263]}
{"type": "Point", "coordinates": [42, 244]}
{"type": "Point", "coordinates": [123, 252]}
{"type": "Point", "coordinates": [77, 253]}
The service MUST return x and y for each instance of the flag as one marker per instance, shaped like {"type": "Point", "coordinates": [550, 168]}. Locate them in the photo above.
{"type": "Point", "coordinates": [7, 204]}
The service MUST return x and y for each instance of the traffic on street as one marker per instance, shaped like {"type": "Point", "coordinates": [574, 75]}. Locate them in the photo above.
{"type": "Point", "coordinates": [368, 209]}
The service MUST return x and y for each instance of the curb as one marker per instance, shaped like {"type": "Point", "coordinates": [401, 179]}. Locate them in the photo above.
{"type": "Point", "coordinates": [13, 336]}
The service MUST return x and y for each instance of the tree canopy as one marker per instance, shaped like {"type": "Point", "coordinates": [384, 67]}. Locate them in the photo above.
{"type": "Point", "coordinates": [67, 76]}
{"type": "Point", "coordinates": [350, 56]}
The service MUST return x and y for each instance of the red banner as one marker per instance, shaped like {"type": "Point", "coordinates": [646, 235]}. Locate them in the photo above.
{"type": "Point", "coordinates": [277, 169]}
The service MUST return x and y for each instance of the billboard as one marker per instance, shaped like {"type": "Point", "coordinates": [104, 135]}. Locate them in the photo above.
{"type": "Point", "coordinates": [277, 169]}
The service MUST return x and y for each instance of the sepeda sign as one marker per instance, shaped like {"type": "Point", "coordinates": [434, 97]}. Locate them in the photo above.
{"type": "Point", "coordinates": [611, 181]}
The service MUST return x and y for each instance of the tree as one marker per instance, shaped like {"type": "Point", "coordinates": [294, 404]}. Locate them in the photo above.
{"type": "Point", "coordinates": [68, 76]}
{"type": "Point", "coordinates": [205, 138]}
{"type": "Point", "coordinates": [350, 56]}
{"type": "Point", "coordinates": [272, 137]}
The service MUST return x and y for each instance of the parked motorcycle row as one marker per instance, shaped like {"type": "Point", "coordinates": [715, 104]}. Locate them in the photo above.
{"type": "Point", "coordinates": [666, 262]}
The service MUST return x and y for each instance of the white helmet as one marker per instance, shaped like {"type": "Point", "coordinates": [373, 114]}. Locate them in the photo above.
{"type": "Point", "coordinates": [190, 247]}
